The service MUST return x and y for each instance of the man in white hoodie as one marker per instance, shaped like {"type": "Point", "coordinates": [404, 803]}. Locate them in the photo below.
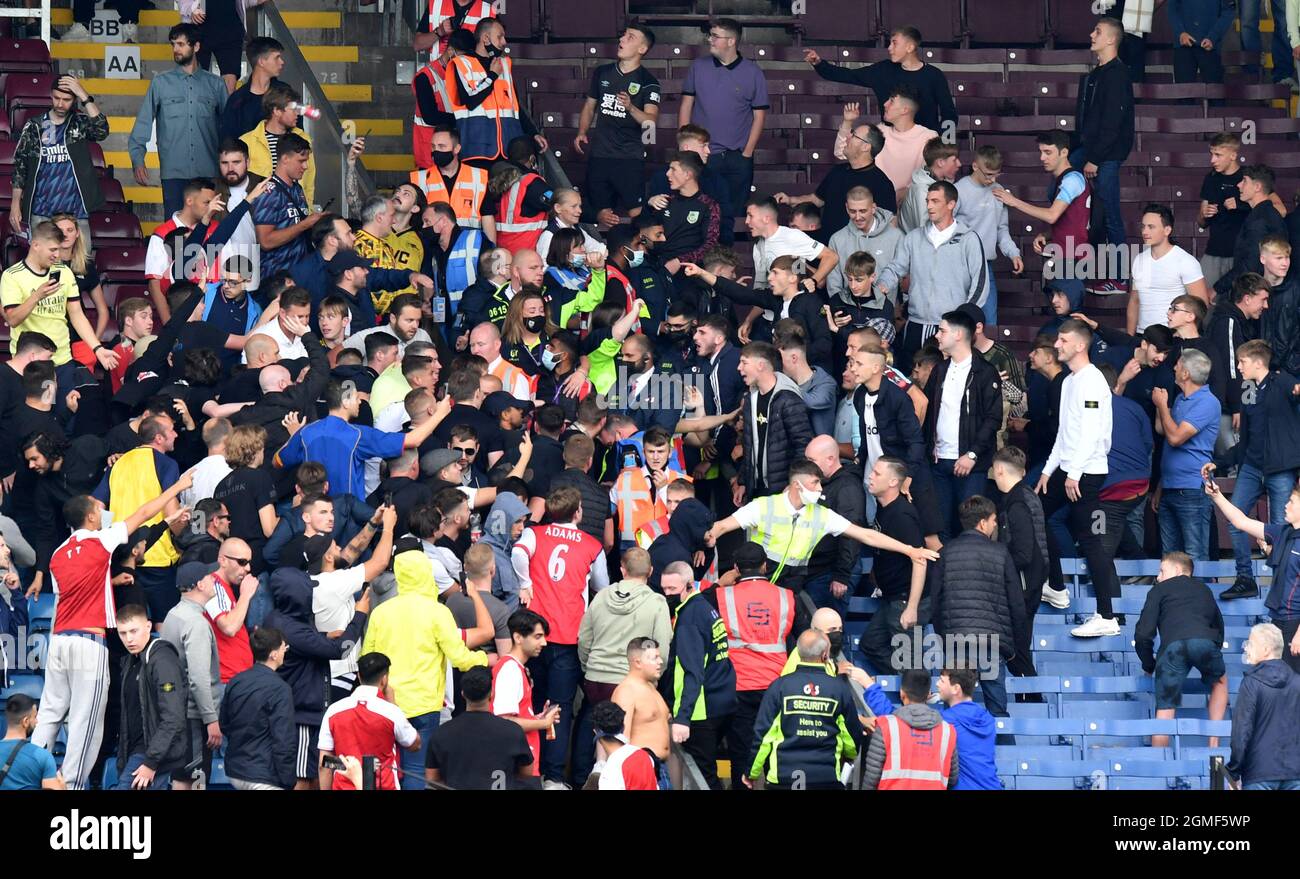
{"type": "Point", "coordinates": [987, 217]}
{"type": "Point", "coordinates": [945, 261]}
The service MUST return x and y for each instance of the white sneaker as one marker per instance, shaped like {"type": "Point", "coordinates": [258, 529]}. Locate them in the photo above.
{"type": "Point", "coordinates": [76, 34]}
{"type": "Point", "coordinates": [1057, 598]}
{"type": "Point", "coordinates": [1097, 627]}
{"type": "Point", "coordinates": [555, 785]}
{"type": "Point", "coordinates": [130, 32]}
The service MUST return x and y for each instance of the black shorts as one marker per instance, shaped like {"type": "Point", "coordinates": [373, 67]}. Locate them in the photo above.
{"type": "Point", "coordinates": [229, 54]}
{"type": "Point", "coordinates": [613, 183]}
{"type": "Point", "coordinates": [307, 764]}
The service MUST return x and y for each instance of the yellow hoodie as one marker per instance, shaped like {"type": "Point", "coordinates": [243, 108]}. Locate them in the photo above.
{"type": "Point", "coordinates": [259, 158]}
{"type": "Point", "coordinates": [419, 636]}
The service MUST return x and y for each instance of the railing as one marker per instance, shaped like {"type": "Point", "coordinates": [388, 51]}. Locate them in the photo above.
{"type": "Point", "coordinates": [329, 139]}
{"type": "Point", "coordinates": [685, 774]}
{"type": "Point", "coordinates": [41, 11]}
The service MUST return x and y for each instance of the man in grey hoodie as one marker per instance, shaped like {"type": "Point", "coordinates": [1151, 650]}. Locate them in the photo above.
{"type": "Point", "coordinates": [981, 212]}
{"type": "Point", "coordinates": [869, 230]}
{"type": "Point", "coordinates": [625, 610]}
{"type": "Point", "coordinates": [501, 529]}
{"type": "Point", "coordinates": [188, 630]}
{"type": "Point", "coordinates": [941, 163]}
{"type": "Point", "coordinates": [945, 261]}
{"type": "Point", "coordinates": [914, 689]}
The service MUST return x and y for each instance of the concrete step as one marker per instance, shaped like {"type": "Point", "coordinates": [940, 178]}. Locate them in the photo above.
{"type": "Point", "coordinates": [165, 18]}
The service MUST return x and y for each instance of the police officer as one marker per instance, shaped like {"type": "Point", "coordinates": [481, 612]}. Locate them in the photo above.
{"type": "Point", "coordinates": [790, 524]}
{"type": "Point", "coordinates": [808, 724]}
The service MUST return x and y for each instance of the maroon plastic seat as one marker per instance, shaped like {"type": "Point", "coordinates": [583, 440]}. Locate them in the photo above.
{"type": "Point", "coordinates": [115, 225]}
{"type": "Point", "coordinates": [834, 19]}
{"type": "Point", "coordinates": [940, 24]}
{"type": "Point", "coordinates": [121, 260]}
{"type": "Point", "coordinates": [7, 150]}
{"type": "Point", "coordinates": [24, 56]}
{"type": "Point", "coordinates": [111, 188]}
{"type": "Point", "coordinates": [27, 90]}
{"type": "Point", "coordinates": [119, 291]}
{"type": "Point", "coordinates": [523, 21]}
{"type": "Point", "coordinates": [992, 23]}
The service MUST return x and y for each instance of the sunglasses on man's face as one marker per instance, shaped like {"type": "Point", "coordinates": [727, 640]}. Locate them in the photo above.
{"type": "Point", "coordinates": [467, 451]}
{"type": "Point", "coordinates": [243, 563]}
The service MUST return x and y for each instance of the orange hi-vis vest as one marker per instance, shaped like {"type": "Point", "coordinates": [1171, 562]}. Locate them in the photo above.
{"type": "Point", "coordinates": [422, 131]}
{"type": "Point", "coordinates": [516, 230]}
{"type": "Point", "coordinates": [636, 509]}
{"type": "Point", "coordinates": [510, 374]}
{"type": "Point", "coordinates": [915, 759]}
{"type": "Point", "coordinates": [651, 532]}
{"type": "Point", "coordinates": [466, 194]}
{"type": "Point", "coordinates": [487, 129]}
{"type": "Point", "coordinates": [441, 10]}
{"type": "Point", "coordinates": [629, 292]}
{"type": "Point", "coordinates": [758, 617]}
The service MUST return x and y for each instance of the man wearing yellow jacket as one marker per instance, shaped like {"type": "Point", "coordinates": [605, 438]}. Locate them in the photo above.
{"type": "Point", "coordinates": [279, 117]}
{"type": "Point", "coordinates": [419, 635]}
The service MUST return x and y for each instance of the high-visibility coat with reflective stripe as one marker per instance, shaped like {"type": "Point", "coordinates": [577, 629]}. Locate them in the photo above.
{"type": "Point", "coordinates": [788, 541]}
{"type": "Point", "coordinates": [915, 759]}
{"type": "Point", "coordinates": [486, 129]}
{"type": "Point", "coordinates": [466, 196]}
{"type": "Point", "coordinates": [758, 617]}
{"type": "Point", "coordinates": [422, 131]}
{"type": "Point", "coordinates": [629, 292]}
{"type": "Point", "coordinates": [441, 10]}
{"type": "Point", "coordinates": [516, 230]}
{"type": "Point", "coordinates": [808, 726]}
{"type": "Point", "coordinates": [638, 508]}
{"type": "Point", "coordinates": [462, 266]}
{"type": "Point", "coordinates": [651, 531]}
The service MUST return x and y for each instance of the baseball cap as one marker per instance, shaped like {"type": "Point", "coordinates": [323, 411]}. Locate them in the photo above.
{"type": "Point", "coordinates": [190, 573]}
{"type": "Point", "coordinates": [433, 462]}
{"type": "Point", "coordinates": [347, 259]}
{"type": "Point", "coordinates": [499, 401]}
{"type": "Point", "coordinates": [313, 552]}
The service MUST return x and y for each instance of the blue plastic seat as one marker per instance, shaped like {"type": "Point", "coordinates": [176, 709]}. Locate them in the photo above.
{"type": "Point", "coordinates": [27, 684]}
{"type": "Point", "coordinates": [1106, 710]}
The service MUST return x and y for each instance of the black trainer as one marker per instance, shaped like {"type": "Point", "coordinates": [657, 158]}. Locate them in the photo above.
{"type": "Point", "coordinates": [1244, 587]}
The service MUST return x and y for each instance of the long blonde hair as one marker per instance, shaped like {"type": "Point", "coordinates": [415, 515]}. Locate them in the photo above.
{"type": "Point", "coordinates": [80, 250]}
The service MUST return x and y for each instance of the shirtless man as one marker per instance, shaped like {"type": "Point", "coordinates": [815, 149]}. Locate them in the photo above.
{"type": "Point", "coordinates": [638, 695]}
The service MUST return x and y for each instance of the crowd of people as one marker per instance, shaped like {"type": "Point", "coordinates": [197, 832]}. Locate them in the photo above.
{"type": "Point", "coordinates": [493, 483]}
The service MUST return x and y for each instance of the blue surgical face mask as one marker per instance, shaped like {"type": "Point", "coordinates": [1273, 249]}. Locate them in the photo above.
{"type": "Point", "coordinates": [578, 260]}
{"type": "Point", "coordinates": [635, 257]}
{"type": "Point", "coordinates": [548, 358]}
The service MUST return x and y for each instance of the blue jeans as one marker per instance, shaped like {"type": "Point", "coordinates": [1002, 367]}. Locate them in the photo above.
{"type": "Point", "coordinates": [819, 590]}
{"type": "Point", "coordinates": [1251, 483]}
{"type": "Point", "coordinates": [161, 780]}
{"type": "Point", "coordinates": [995, 690]}
{"type": "Point", "coordinates": [1283, 66]}
{"type": "Point", "coordinates": [1106, 187]}
{"type": "Point", "coordinates": [1185, 522]}
{"type": "Point", "coordinates": [990, 307]}
{"type": "Point", "coordinates": [412, 762]}
{"type": "Point", "coordinates": [173, 195]}
{"type": "Point", "coordinates": [951, 490]}
{"type": "Point", "coordinates": [556, 676]}
{"type": "Point", "coordinates": [1273, 785]}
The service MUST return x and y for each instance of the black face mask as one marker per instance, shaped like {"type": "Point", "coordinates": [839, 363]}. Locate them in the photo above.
{"type": "Point", "coordinates": [677, 337]}
{"type": "Point", "coordinates": [673, 601]}
{"type": "Point", "coordinates": [534, 324]}
{"type": "Point", "coordinates": [443, 158]}
{"type": "Point", "coordinates": [494, 52]}
{"type": "Point", "coordinates": [837, 643]}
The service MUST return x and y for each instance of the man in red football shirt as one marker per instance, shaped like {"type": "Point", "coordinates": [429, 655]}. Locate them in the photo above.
{"type": "Point", "coordinates": [366, 723]}
{"type": "Point", "coordinates": [512, 686]}
{"type": "Point", "coordinates": [76, 673]}
{"type": "Point", "coordinates": [555, 564]}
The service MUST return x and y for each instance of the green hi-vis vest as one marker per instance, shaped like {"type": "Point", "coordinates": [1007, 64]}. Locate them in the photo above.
{"type": "Point", "coordinates": [788, 541]}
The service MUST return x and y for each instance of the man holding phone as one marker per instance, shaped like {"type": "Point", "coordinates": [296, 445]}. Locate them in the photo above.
{"type": "Point", "coordinates": [40, 297]}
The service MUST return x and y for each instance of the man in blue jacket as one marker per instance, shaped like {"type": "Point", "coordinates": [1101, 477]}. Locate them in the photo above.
{"type": "Point", "coordinates": [1265, 737]}
{"type": "Point", "coordinates": [331, 236]}
{"type": "Point", "coordinates": [976, 729]}
{"type": "Point", "coordinates": [257, 719]}
{"type": "Point", "coordinates": [1198, 27]}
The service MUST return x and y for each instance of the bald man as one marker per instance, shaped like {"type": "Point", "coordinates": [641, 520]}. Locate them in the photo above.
{"type": "Point", "coordinates": [274, 378]}
{"type": "Point", "coordinates": [485, 342]}
{"type": "Point", "coordinates": [829, 622]}
{"type": "Point", "coordinates": [833, 570]}
{"type": "Point", "coordinates": [261, 350]}
{"type": "Point", "coordinates": [228, 608]}
{"type": "Point", "coordinates": [526, 271]}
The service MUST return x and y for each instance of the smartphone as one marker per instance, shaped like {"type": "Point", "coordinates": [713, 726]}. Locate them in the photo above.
{"type": "Point", "coordinates": [839, 314]}
{"type": "Point", "coordinates": [329, 204]}
{"type": "Point", "coordinates": [57, 275]}
{"type": "Point", "coordinates": [329, 761]}
{"type": "Point", "coordinates": [388, 499]}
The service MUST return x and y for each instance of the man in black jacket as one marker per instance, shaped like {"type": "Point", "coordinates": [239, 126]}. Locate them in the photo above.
{"type": "Point", "coordinates": [1104, 125]}
{"type": "Point", "coordinates": [1182, 611]}
{"type": "Point", "coordinates": [1234, 322]}
{"type": "Point", "coordinates": [976, 592]}
{"type": "Point", "coordinates": [257, 719]}
{"type": "Point", "coordinates": [1265, 747]}
{"type": "Point", "coordinates": [1023, 528]}
{"type": "Point", "coordinates": [962, 418]}
{"type": "Point", "coordinates": [1280, 326]}
{"type": "Point", "coordinates": [1256, 187]}
{"type": "Point", "coordinates": [904, 604]}
{"type": "Point", "coordinates": [885, 413]}
{"type": "Point", "coordinates": [154, 741]}
{"type": "Point", "coordinates": [776, 427]}
{"type": "Point", "coordinates": [833, 568]}
{"type": "Point", "coordinates": [307, 667]}
{"type": "Point", "coordinates": [280, 395]}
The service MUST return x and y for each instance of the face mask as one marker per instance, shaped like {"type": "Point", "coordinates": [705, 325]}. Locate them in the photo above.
{"type": "Point", "coordinates": [677, 337]}
{"type": "Point", "coordinates": [635, 257]}
{"type": "Point", "coordinates": [578, 260]}
{"type": "Point", "coordinates": [534, 324]}
{"type": "Point", "coordinates": [809, 497]}
{"type": "Point", "coordinates": [837, 643]}
{"type": "Point", "coordinates": [494, 51]}
{"type": "Point", "coordinates": [673, 601]}
{"type": "Point", "coordinates": [443, 158]}
{"type": "Point", "coordinates": [548, 359]}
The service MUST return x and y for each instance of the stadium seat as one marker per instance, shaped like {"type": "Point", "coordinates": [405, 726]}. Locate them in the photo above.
{"type": "Point", "coordinates": [114, 226]}
{"type": "Point", "coordinates": [24, 56]}
{"type": "Point", "coordinates": [826, 20]}
{"type": "Point", "coordinates": [27, 684]}
{"type": "Point", "coordinates": [121, 261]}
{"type": "Point", "coordinates": [942, 23]}
{"type": "Point", "coordinates": [26, 90]}
{"type": "Point", "coordinates": [989, 23]}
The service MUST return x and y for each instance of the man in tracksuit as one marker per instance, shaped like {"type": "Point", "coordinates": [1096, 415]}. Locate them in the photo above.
{"type": "Point", "coordinates": [701, 691]}
{"type": "Point", "coordinates": [808, 724]}
{"type": "Point", "coordinates": [944, 262]}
